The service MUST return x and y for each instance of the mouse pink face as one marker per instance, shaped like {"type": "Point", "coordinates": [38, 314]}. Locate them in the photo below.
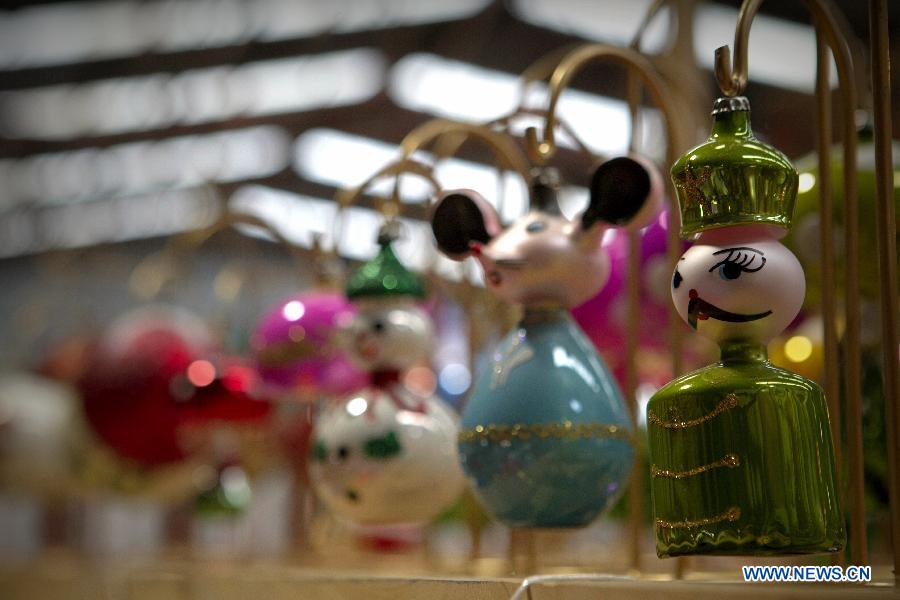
{"type": "Point", "coordinates": [544, 258]}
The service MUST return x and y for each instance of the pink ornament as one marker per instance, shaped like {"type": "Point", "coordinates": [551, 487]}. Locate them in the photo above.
{"type": "Point", "coordinates": [295, 350]}
{"type": "Point", "coordinates": [604, 316]}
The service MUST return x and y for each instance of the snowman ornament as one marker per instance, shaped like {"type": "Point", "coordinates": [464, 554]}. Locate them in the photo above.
{"type": "Point", "coordinates": [741, 454]}
{"type": "Point", "coordinates": [386, 455]}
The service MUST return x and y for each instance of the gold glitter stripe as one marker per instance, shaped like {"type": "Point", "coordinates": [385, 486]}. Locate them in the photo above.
{"type": "Point", "coordinates": [728, 403]}
{"type": "Point", "coordinates": [729, 460]}
{"type": "Point", "coordinates": [732, 514]}
{"type": "Point", "coordinates": [565, 430]}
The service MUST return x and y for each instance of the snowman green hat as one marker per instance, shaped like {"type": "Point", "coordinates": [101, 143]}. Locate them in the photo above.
{"type": "Point", "coordinates": [384, 276]}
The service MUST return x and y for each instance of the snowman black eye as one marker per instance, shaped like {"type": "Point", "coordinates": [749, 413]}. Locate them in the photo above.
{"type": "Point", "coordinates": [343, 453]}
{"type": "Point", "coordinates": [378, 326]}
{"type": "Point", "coordinates": [737, 261]}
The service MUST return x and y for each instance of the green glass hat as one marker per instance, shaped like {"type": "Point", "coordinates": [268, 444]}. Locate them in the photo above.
{"type": "Point", "coordinates": [733, 178]}
{"type": "Point", "coordinates": [385, 276]}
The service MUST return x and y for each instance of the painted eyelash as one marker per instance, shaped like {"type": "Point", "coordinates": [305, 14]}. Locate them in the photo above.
{"type": "Point", "coordinates": [742, 257]}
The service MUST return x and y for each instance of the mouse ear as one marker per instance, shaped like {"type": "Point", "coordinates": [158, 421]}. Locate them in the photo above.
{"type": "Point", "coordinates": [461, 218]}
{"type": "Point", "coordinates": [625, 191]}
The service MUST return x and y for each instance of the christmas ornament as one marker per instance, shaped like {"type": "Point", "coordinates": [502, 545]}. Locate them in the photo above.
{"type": "Point", "coordinates": [134, 387]}
{"type": "Point", "coordinates": [741, 451]}
{"type": "Point", "coordinates": [385, 454]}
{"type": "Point", "coordinates": [603, 317]}
{"type": "Point", "coordinates": [805, 236]}
{"type": "Point", "coordinates": [37, 417]}
{"type": "Point", "coordinates": [546, 439]}
{"type": "Point", "coordinates": [293, 346]}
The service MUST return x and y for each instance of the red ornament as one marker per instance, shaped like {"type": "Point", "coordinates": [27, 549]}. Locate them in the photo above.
{"type": "Point", "coordinates": [134, 386]}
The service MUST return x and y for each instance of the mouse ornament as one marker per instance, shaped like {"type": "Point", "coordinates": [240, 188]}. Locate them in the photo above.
{"type": "Point", "coordinates": [741, 453]}
{"type": "Point", "coordinates": [546, 439]}
{"type": "Point", "coordinates": [386, 455]}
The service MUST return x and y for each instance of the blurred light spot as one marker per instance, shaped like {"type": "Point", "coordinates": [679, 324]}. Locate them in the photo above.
{"type": "Point", "coordinates": [798, 348]}
{"type": "Point", "coordinates": [201, 373]}
{"type": "Point", "coordinates": [463, 91]}
{"type": "Point", "coordinates": [615, 22]}
{"type": "Point", "coordinates": [644, 392]}
{"type": "Point", "coordinates": [455, 378]}
{"type": "Point", "coordinates": [114, 106]}
{"type": "Point", "coordinates": [230, 155]}
{"type": "Point", "coordinates": [293, 310]}
{"type": "Point", "coordinates": [421, 380]}
{"type": "Point", "coordinates": [235, 485]}
{"type": "Point", "coordinates": [69, 32]}
{"type": "Point", "coordinates": [806, 183]}
{"type": "Point", "coordinates": [296, 333]}
{"type": "Point", "coordinates": [357, 406]}
{"type": "Point", "coordinates": [227, 284]}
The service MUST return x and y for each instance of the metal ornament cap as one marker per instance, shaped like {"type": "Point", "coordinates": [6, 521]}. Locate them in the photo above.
{"type": "Point", "coordinates": [733, 178]}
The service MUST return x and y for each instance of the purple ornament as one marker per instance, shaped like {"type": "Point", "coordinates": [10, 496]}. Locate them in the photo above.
{"type": "Point", "coordinates": [295, 347]}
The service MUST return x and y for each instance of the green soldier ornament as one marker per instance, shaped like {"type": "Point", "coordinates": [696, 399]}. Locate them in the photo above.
{"type": "Point", "coordinates": [741, 454]}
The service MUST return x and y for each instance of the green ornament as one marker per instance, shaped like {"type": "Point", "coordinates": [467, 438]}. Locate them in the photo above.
{"type": "Point", "coordinates": [733, 178]}
{"type": "Point", "coordinates": [804, 238]}
{"type": "Point", "coordinates": [384, 275]}
{"type": "Point", "coordinates": [229, 495]}
{"type": "Point", "coordinates": [742, 461]}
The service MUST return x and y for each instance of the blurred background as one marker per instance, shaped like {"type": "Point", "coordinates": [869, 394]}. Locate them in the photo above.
{"type": "Point", "coordinates": [138, 393]}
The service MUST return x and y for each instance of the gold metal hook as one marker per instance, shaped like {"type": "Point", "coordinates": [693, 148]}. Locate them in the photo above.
{"type": "Point", "coordinates": [652, 11]}
{"type": "Point", "coordinates": [733, 79]}
{"type": "Point", "coordinates": [501, 146]}
{"type": "Point", "coordinates": [405, 165]}
{"type": "Point", "coordinates": [542, 149]}
{"type": "Point", "coordinates": [152, 273]}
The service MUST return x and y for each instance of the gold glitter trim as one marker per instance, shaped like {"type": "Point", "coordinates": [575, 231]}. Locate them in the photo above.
{"type": "Point", "coordinates": [565, 430]}
{"type": "Point", "coordinates": [729, 460]}
{"type": "Point", "coordinates": [728, 403]}
{"type": "Point", "coordinates": [731, 515]}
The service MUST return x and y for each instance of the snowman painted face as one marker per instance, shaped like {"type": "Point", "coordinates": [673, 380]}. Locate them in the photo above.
{"type": "Point", "coordinates": [738, 283]}
{"type": "Point", "coordinates": [374, 462]}
{"type": "Point", "coordinates": [389, 334]}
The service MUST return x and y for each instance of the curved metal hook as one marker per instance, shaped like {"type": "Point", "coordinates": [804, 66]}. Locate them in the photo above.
{"type": "Point", "coordinates": [405, 165]}
{"type": "Point", "coordinates": [733, 80]}
{"type": "Point", "coordinates": [542, 149]}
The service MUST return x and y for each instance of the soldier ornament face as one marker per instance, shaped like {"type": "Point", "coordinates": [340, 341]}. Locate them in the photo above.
{"type": "Point", "coordinates": [738, 283]}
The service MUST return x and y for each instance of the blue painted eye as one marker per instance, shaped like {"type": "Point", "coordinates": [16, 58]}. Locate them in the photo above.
{"type": "Point", "coordinates": [536, 226]}
{"type": "Point", "coordinates": [730, 270]}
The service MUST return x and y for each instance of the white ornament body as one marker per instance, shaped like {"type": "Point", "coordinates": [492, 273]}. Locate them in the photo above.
{"type": "Point", "coordinates": [386, 456]}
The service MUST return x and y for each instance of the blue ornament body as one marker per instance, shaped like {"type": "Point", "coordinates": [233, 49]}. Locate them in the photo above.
{"type": "Point", "coordinates": [546, 440]}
